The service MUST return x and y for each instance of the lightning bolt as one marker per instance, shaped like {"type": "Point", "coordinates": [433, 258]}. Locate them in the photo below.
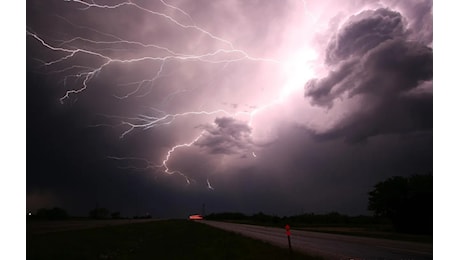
{"type": "Point", "coordinates": [107, 53]}
{"type": "Point", "coordinates": [147, 164]}
{"type": "Point", "coordinates": [171, 151]}
{"type": "Point", "coordinates": [171, 19]}
{"type": "Point", "coordinates": [209, 184]}
{"type": "Point", "coordinates": [89, 73]}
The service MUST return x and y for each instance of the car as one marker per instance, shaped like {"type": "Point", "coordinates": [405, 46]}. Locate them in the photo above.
{"type": "Point", "coordinates": [195, 217]}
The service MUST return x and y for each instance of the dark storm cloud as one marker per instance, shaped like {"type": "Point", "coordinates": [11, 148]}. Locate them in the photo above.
{"type": "Point", "coordinates": [299, 174]}
{"type": "Point", "coordinates": [372, 58]}
{"type": "Point", "coordinates": [378, 61]}
{"type": "Point", "coordinates": [226, 136]}
{"type": "Point", "coordinates": [364, 32]}
{"type": "Point", "coordinates": [420, 19]}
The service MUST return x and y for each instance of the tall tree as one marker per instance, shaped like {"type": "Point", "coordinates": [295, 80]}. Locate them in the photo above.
{"type": "Point", "coordinates": [407, 202]}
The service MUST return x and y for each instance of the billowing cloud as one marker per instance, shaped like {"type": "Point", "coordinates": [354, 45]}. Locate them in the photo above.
{"type": "Point", "coordinates": [145, 105]}
{"type": "Point", "coordinates": [363, 32]}
{"type": "Point", "coordinates": [226, 136]}
{"type": "Point", "coordinates": [372, 62]}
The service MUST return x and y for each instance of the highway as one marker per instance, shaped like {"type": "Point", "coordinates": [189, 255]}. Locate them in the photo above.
{"type": "Point", "coordinates": [332, 246]}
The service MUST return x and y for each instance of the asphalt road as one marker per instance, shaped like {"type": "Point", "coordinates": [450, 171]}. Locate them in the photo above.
{"type": "Point", "coordinates": [332, 246]}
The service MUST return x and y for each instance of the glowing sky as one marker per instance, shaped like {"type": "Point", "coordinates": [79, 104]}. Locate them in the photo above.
{"type": "Point", "coordinates": [276, 106]}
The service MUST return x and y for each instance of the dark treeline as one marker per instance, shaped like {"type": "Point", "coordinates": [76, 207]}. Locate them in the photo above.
{"type": "Point", "coordinates": [104, 213]}
{"type": "Point", "coordinates": [55, 213]}
{"type": "Point", "coordinates": [405, 204]}
{"type": "Point", "coordinates": [308, 219]}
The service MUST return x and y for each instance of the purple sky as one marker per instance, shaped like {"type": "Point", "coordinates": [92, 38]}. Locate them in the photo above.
{"type": "Point", "coordinates": [283, 107]}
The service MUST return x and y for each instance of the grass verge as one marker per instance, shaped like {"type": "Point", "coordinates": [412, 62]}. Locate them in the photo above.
{"type": "Point", "coordinates": [169, 239]}
{"type": "Point", "coordinates": [372, 231]}
{"type": "Point", "coordinates": [368, 232]}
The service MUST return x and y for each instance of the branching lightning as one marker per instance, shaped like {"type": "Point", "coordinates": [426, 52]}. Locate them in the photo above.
{"type": "Point", "coordinates": [130, 3]}
{"type": "Point", "coordinates": [169, 154]}
{"type": "Point", "coordinates": [145, 122]}
{"type": "Point", "coordinates": [68, 49]}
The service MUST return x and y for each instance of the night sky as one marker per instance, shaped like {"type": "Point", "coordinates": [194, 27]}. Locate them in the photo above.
{"type": "Point", "coordinates": [283, 107]}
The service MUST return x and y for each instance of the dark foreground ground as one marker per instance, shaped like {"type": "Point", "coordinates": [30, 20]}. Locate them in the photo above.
{"type": "Point", "coordinates": [167, 239]}
{"type": "Point", "coordinates": [40, 226]}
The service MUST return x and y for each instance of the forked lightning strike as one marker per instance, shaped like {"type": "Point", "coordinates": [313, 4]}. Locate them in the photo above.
{"type": "Point", "coordinates": [171, 151]}
{"type": "Point", "coordinates": [86, 73]}
{"type": "Point", "coordinates": [130, 3]}
{"type": "Point", "coordinates": [146, 122]}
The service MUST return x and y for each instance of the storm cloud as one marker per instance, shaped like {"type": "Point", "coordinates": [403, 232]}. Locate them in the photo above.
{"type": "Point", "coordinates": [276, 106]}
{"type": "Point", "coordinates": [372, 60]}
{"type": "Point", "coordinates": [226, 136]}
{"type": "Point", "coordinates": [363, 32]}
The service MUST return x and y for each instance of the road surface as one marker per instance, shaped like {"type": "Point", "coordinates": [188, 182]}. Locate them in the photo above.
{"type": "Point", "coordinates": [333, 246]}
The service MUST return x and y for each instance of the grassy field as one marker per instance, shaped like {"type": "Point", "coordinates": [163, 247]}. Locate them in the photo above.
{"type": "Point", "coordinates": [373, 231]}
{"type": "Point", "coordinates": [170, 239]}
{"type": "Point", "coordinates": [370, 232]}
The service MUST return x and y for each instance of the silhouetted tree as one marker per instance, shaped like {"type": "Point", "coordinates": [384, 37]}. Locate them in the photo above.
{"type": "Point", "coordinates": [116, 215]}
{"type": "Point", "coordinates": [52, 214]}
{"type": "Point", "coordinates": [146, 216]}
{"type": "Point", "coordinates": [99, 213]}
{"type": "Point", "coordinates": [261, 217]}
{"type": "Point", "coordinates": [407, 202]}
{"type": "Point", "coordinates": [227, 216]}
